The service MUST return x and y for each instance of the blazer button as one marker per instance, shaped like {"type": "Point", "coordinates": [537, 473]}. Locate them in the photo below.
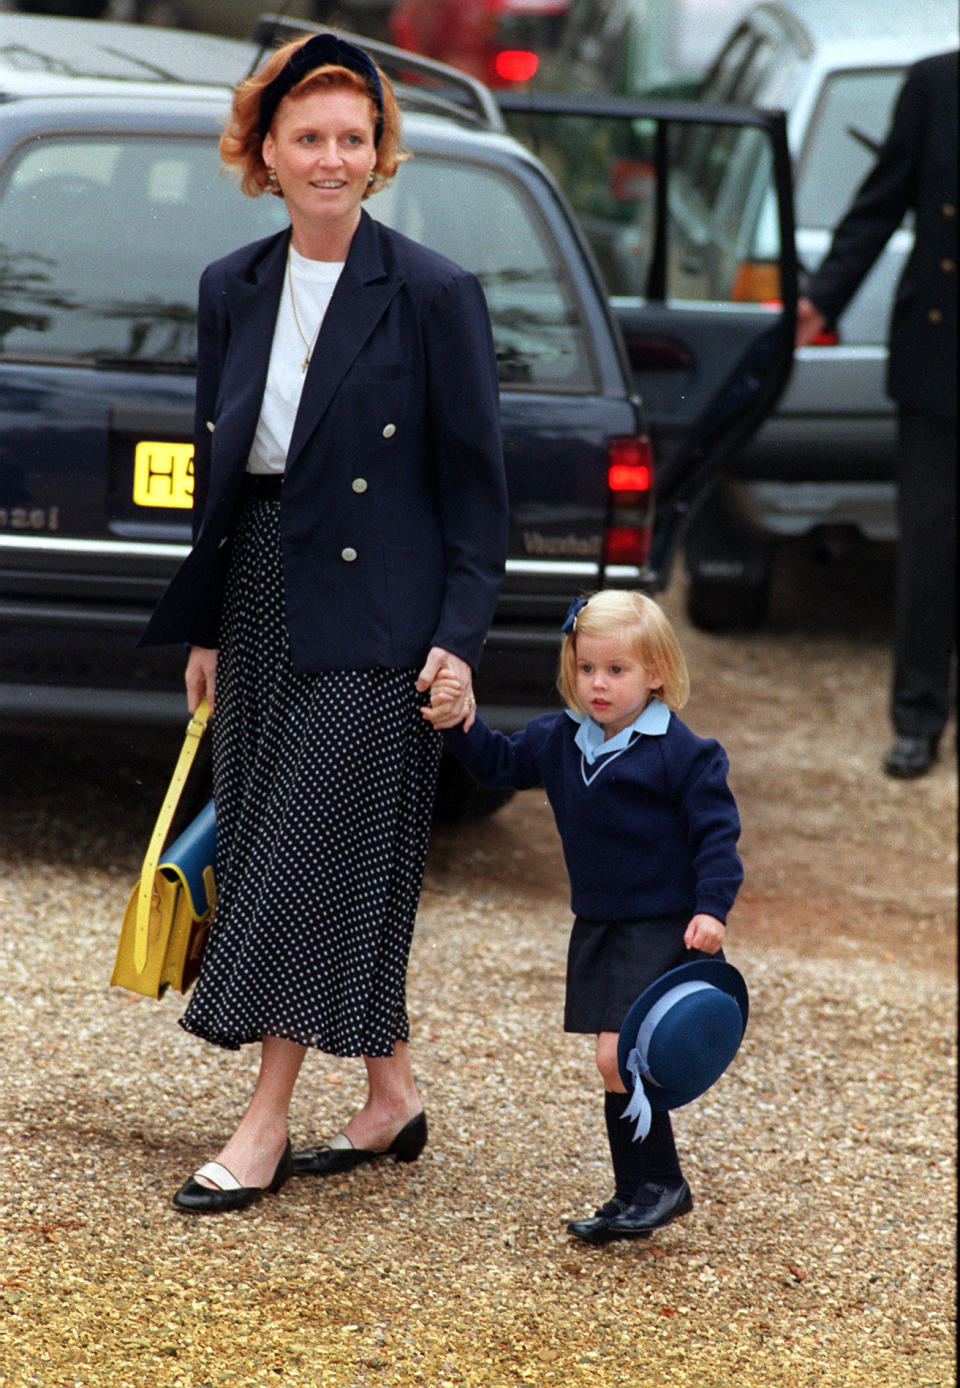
{"type": "Point", "coordinates": [359, 484]}
{"type": "Point", "coordinates": [935, 316]}
{"type": "Point", "coordinates": [348, 555]}
{"type": "Point", "coordinates": [949, 210]}
{"type": "Point", "coordinates": [947, 266]}
{"type": "Point", "coordinates": [389, 430]}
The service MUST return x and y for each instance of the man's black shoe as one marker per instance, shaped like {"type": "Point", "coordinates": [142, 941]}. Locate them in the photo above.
{"type": "Point", "coordinates": [910, 756]}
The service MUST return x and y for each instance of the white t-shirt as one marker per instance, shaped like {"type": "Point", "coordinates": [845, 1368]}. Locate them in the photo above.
{"type": "Point", "coordinates": [313, 285]}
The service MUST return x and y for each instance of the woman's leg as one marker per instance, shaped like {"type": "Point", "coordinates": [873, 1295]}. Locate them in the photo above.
{"type": "Point", "coordinates": [255, 1148]}
{"type": "Point", "coordinates": [392, 1100]}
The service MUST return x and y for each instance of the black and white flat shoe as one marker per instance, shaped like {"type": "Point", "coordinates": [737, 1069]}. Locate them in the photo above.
{"type": "Point", "coordinates": [339, 1154]}
{"type": "Point", "coordinates": [226, 1193]}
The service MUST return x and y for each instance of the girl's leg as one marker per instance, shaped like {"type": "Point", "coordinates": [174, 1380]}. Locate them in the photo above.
{"type": "Point", "coordinates": [634, 1163]}
{"type": "Point", "coordinates": [628, 1166]}
{"type": "Point", "coordinates": [392, 1100]}
{"type": "Point", "coordinates": [254, 1151]}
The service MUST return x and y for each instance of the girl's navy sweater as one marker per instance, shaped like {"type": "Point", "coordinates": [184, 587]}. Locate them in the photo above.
{"type": "Point", "coordinates": [649, 831]}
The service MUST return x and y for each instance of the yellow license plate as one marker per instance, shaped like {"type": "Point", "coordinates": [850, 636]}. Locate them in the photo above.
{"type": "Point", "coordinates": [163, 474]}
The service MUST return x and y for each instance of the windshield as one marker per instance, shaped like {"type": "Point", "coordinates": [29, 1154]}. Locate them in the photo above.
{"type": "Point", "coordinates": [103, 240]}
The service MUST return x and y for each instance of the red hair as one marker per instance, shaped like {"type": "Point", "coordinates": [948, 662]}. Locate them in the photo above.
{"type": "Point", "coordinates": [241, 145]}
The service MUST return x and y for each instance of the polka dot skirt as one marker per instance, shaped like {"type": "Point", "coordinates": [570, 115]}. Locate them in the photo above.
{"type": "Point", "coordinates": [324, 788]}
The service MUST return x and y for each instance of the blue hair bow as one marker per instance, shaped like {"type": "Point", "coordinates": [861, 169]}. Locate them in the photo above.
{"type": "Point", "coordinates": [573, 612]}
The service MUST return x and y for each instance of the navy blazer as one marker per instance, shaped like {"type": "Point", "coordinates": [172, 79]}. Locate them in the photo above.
{"type": "Point", "coordinates": [916, 170]}
{"type": "Point", "coordinates": [394, 514]}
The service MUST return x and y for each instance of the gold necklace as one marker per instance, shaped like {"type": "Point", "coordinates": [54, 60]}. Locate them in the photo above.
{"type": "Point", "coordinates": [303, 338]}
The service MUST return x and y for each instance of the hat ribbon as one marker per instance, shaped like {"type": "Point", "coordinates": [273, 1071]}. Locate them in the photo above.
{"type": "Point", "coordinates": [639, 1105]}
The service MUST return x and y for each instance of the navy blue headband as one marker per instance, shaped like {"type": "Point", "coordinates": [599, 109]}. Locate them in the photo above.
{"type": "Point", "coordinates": [321, 51]}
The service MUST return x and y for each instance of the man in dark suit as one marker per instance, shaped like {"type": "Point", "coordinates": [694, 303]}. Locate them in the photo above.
{"type": "Point", "coordinates": [915, 171]}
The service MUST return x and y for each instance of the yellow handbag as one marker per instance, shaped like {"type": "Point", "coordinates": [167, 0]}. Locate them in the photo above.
{"type": "Point", "coordinates": [168, 915]}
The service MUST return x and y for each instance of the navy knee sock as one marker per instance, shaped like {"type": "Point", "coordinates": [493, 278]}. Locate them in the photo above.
{"type": "Point", "coordinates": [636, 1163]}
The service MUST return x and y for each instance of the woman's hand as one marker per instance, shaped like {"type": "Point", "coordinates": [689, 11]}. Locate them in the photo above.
{"type": "Point", "coordinates": [704, 933]}
{"type": "Point", "coordinates": [201, 677]}
{"type": "Point", "coordinates": [443, 710]}
{"type": "Point", "coordinates": [449, 710]}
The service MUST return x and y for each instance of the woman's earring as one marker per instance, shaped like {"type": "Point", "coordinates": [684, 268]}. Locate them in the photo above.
{"type": "Point", "coordinates": [372, 179]}
{"type": "Point", "coordinates": [271, 178]}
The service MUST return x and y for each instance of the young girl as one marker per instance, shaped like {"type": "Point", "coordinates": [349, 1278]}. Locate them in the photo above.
{"type": "Point", "coordinates": [649, 831]}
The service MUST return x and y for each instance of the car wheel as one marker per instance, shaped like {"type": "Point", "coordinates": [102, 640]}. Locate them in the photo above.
{"type": "Point", "coordinates": [729, 562]}
{"type": "Point", "coordinates": [461, 799]}
{"type": "Point", "coordinates": [727, 605]}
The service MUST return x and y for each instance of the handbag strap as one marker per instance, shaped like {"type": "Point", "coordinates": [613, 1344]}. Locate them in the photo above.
{"type": "Point", "coordinates": [195, 731]}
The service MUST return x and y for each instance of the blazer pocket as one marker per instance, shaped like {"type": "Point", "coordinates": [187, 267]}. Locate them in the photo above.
{"type": "Point", "coordinates": [414, 588]}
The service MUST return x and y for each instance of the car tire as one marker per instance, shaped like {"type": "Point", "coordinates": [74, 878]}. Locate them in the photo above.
{"type": "Point", "coordinates": [727, 605]}
{"type": "Point", "coordinates": [461, 798]}
{"type": "Point", "coordinates": [729, 564]}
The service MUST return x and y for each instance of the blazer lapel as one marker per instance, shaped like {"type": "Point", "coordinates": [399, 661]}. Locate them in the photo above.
{"type": "Point", "coordinates": [359, 301]}
{"type": "Point", "coordinates": [253, 304]}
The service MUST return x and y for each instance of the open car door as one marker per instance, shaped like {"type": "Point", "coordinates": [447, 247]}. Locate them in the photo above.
{"type": "Point", "coordinates": [688, 211]}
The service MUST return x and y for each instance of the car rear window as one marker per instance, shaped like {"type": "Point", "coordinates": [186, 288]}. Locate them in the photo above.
{"type": "Point", "coordinates": [487, 222]}
{"type": "Point", "coordinates": [103, 239]}
{"type": "Point", "coordinates": [102, 243]}
{"type": "Point", "coordinates": [851, 119]}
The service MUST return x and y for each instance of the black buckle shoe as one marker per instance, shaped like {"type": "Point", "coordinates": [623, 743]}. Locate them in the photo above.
{"type": "Point", "coordinates": [597, 1229]}
{"type": "Point", "coordinates": [653, 1206]}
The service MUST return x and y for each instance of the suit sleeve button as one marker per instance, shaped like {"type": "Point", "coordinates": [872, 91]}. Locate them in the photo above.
{"type": "Point", "coordinates": [389, 430]}
{"type": "Point", "coordinates": [348, 555]}
{"type": "Point", "coordinates": [359, 484]}
{"type": "Point", "coordinates": [935, 316]}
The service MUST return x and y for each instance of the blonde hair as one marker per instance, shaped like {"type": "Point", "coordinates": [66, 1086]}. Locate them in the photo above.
{"type": "Point", "coordinates": [241, 144]}
{"type": "Point", "coordinates": [645, 630]}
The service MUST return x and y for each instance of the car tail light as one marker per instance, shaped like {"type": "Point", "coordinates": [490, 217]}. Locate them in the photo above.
{"type": "Point", "coordinates": [515, 65]}
{"type": "Point", "coordinates": [629, 525]}
{"type": "Point", "coordinates": [828, 338]}
{"type": "Point", "coordinates": [757, 282]}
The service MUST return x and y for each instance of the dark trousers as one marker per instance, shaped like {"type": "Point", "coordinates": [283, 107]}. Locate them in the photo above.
{"type": "Point", "coordinates": [925, 614]}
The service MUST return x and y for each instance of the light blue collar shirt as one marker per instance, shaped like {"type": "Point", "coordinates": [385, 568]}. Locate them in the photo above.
{"type": "Point", "coordinates": [652, 722]}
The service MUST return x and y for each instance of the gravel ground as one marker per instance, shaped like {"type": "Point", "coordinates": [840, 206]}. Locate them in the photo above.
{"type": "Point", "coordinates": [820, 1250]}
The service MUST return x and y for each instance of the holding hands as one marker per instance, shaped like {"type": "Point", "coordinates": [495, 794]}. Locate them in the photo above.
{"type": "Point", "coordinates": [450, 682]}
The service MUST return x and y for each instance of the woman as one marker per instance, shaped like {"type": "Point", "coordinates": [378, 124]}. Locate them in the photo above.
{"type": "Point", "coordinates": [349, 539]}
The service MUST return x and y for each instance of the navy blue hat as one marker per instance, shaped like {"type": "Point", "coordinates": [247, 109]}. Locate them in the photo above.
{"type": "Point", "coordinates": [679, 1037]}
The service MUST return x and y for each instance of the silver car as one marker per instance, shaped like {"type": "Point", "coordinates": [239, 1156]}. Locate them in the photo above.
{"type": "Point", "coordinates": [823, 462]}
